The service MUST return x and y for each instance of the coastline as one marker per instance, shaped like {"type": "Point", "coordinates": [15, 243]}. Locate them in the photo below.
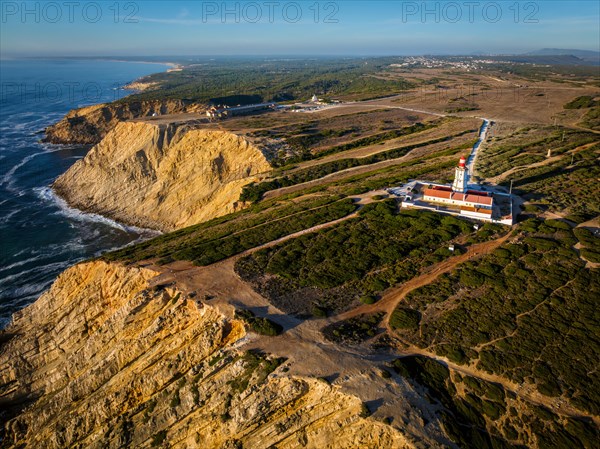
{"type": "Point", "coordinates": [50, 194]}
{"type": "Point", "coordinates": [45, 235]}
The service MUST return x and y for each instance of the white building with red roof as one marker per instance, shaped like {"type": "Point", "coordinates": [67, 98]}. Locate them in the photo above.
{"type": "Point", "coordinates": [474, 203]}
{"type": "Point", "coordinates": [456, 199]}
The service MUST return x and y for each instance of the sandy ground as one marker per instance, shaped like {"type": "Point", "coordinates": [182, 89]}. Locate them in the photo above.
{"type": "Point", "coordinates": [445, 129]}
{"type": "Point", "coordinates": [498, 179]}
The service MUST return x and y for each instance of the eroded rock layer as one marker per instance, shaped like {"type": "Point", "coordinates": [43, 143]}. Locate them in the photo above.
{"type": "Point", "coordinates": [89, 125]}
{"type": "Point", "coordinates": [104, 360]}
{"type": "Point", "coordinates": [162, 176]}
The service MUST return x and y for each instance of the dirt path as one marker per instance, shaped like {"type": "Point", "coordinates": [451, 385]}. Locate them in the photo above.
{"type": "Point", "coordinates": [497, 179]}
{"type": "Point", "coordinates": [393, 296]}
{"type": "Point", "coordinates": [228, 291]}
{"type": "Point", "coordinates": [527, 392]}
{"type": "Point", "coordinates": [342, 174]}
{"type": "Point", "coordinates": [417, 139]}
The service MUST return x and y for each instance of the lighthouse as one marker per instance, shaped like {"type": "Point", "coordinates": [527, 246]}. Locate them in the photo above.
{"type": "Point", "coordinates": [461, 176]}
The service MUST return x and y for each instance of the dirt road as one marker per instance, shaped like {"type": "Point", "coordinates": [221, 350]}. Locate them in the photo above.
{"type": "Point", "coordinates": [393, 296]}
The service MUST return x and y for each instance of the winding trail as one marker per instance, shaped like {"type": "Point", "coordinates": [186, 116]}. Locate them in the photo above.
{"type": "Point", "coordinates": [527, 392]}
{"type": "Point", "coordinates": [395, 295]}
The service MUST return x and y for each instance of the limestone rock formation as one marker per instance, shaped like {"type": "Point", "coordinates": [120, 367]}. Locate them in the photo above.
{"type": "Point", "coordinates": [88, 125]}
{"type": "Point", "coordinates": [162, 176]}
{"type": "Point", "coordinates": [105, 360]}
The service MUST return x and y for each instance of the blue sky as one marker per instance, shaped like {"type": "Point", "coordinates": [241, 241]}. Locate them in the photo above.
{"type": "Point", "coordinates": [120, 28]}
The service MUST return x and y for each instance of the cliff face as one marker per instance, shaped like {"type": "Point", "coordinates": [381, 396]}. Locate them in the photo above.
{"type": "Point", "coordinates": [104, 360]}
{"type": "Point", "coordinates": [162, 176]}
{"type": "Point", "coordinates": [90, 124]}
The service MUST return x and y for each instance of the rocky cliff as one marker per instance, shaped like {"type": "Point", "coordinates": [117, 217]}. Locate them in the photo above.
{"type": "Point", "coordinates": [162, 176]}
{"type": "Point", "coordinates": [90, 124]}
{"type": "Point", "coordinates": [105, 360]}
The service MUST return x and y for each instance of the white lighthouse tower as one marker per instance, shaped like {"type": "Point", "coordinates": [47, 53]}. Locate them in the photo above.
{"type": "Point", "coordinates": [461, 176]}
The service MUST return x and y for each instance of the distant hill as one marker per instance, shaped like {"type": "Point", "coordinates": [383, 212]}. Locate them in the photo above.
{"type": "Point", "coordinates": [586, 55]}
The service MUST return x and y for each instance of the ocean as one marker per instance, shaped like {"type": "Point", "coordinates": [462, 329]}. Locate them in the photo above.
{"type": "Point", "coordinates": [40, 236]}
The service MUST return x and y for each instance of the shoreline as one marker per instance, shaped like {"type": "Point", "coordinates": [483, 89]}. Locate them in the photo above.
{"type": "Point", "coordinates": [48, 193]}
{"type": "Point", "coordinates": [51, 195]}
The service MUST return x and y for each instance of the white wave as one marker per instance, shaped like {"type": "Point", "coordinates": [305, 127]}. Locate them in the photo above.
{"type": "Point", "coordinates": [20, 263]}
{"type": "Point", "coordinates": [5, 219]}
{"type": "Point", "coordinates": [46, 193]}
{"type": "Point", "coordinates": [53, 250]}
{"type": "Point", "coordinates": [7, 180]}
{"type": "Point", "coordinates": [36, 270]}
{"type": "Point", "coordinates": [29, 291]}
{"type": "Point", "coordinates": [20, 303]}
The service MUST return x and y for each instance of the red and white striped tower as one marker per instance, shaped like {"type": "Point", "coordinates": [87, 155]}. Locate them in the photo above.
{"type": "Point", "coordinates": [461, 176]}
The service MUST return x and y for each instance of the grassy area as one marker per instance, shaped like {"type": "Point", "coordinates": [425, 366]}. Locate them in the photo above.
{"type": "Point", "coordinates": [307, 138]}
{"type": "Point", "coordinates": [568, 185]}
{"type": "Point", "coordinates": [230, 80]}
{"type": "Point", "coordinates": [254, 192]}
{"type": "Point", "coordinates": [592, 119]}
{"type": "Point", "coordinates": [336, 267]}
{"type": "Point", "coordinates": [477, 414]}
{"type": "Point", "coordinates": [528, 146]}
{"type": "Point", "coordinates": [221, 238]}
{"type": "Point", "coordinates": [304, 143]}
{"type": "Point", "coordinates": [525, 312]}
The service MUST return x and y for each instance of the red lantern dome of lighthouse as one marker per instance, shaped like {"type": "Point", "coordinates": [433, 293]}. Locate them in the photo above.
{"type": "Point", "coordinates": [462, 162]}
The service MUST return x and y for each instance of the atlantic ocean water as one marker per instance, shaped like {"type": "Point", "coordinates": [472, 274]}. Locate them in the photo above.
{"type": "Point", "coordinates": [40, 235]}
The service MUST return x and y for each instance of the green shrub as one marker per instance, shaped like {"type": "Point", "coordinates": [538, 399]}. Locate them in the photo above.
{"type": "Point", "coordinates": [319, 312]}
{"type": "Point", "coordinates": [557, 224]}
{"type": "Point", "coordinates": [403, 318]}
{"type": "Point", "coordinates": [585, 101]}
{"type": "Point", "coordinates": [590, 255]}
{"type": "Point", "coordinates": [262, 326]}
{"type": "Point", "coordinates": [368, 299]}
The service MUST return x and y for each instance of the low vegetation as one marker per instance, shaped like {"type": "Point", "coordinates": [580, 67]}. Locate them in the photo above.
{"type": "Point", "coordinates": [257, 366]}
{"type": "Point", "coordinates": [254, 192]}
{"type": "Point", "coordinates": [585, 101]}
{"type": "Point", "coordinates": [216, 240]}
{"type": "Point", "coordinates": [214, 79]}
{"type": "Point", "coordinates": [528, 146]}
{"type": "Point", "coordinates": [502, 311]}
{"type": "Point", "coordinates": [568, 185]}
{"type": "Point", "coordinates": [335, 267]}
{"type": "Point", "coordinates": [303, 143]}
{"type": "Point", "coordinates": [263, 326]}
{"type": "Point", "coordinates": [478, 414]}
{"type": "Point", "coordinates": [354, 330]}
